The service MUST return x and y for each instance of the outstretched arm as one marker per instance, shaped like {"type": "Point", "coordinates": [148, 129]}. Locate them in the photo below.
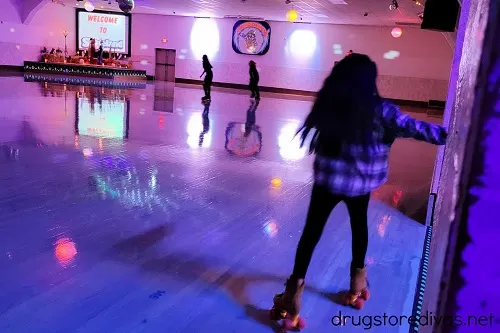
{"type": "Point", "coordinates": [406, 127]}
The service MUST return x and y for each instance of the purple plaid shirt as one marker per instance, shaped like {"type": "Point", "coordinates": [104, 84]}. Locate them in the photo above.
{"type": "Point", "coordinates": [361, 169]}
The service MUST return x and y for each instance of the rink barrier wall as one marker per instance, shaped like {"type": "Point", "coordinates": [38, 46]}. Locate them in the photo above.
{"type": "Point", "coordinates": [424, 267]}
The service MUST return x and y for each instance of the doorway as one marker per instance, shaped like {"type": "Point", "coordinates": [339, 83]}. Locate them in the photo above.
{"type": "Point", "coordinates": [165, 65]}
{"type": "Point", "coordinates": [165, 80]}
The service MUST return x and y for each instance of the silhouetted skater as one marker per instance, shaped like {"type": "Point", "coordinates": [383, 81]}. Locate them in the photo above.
{"type": "Point", "coordinates": [207, 82]}
{"type": "Point", "coordinates": [254, 80]}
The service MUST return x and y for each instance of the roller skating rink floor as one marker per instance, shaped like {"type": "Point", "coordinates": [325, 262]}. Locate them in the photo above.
{"type": "Point", "coordinates": [124, 210]}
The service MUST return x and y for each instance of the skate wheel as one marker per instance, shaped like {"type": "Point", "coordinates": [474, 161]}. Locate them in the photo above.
{"type": "Point", "coordinates": [349, 299]}
{"type": "Point", "coordinates": [365, 294]}
{"type": "Point", "coordinates": [290, 324]}
{"type": "Point", "coordinates": [358, 304]}
{"type": "Point", "coordinates": [301, 323]}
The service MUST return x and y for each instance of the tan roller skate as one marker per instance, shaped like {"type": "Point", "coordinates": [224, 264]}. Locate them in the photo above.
{"type": "Point", "coordinates": [287, 306]}
{"type": "Point", "coordinates": [358, 292]}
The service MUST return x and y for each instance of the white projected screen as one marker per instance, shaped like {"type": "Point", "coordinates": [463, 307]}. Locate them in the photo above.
{"type": "Point", "coordinates": [111, 29]}
{"type": "Point", "coordinates": [105, 119]}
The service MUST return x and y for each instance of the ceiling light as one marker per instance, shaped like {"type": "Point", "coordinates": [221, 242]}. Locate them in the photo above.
{"type": "Point", "coordinates": [126, 6]}
{"type": "Point", "coordinates": [292, 15]}
{"type": "Point", "coordinates": [89, 6]}
{"type": "Point", "coordinates": [396, 32]}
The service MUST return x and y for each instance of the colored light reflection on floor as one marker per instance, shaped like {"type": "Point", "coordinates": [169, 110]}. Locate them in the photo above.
{"type": "Point", "coordinates": [382, 226]}
{"type": "Point", "coordinates": [275, 182]}
{"type": "Point", "coordinates": [87, 152]}
{"type": "Point", "coordinates": [289, 143]}
{"type": "Point", "coordinates": [271, 228]}
{"type": "Point", "coordinates": [65, 251]}
{"type": "Point", "coordinates": [195, 129]}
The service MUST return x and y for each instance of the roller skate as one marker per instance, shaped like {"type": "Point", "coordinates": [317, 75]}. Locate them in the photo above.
{"type": "Point", "coordinates": [358, 292]}
{"type": "Point", "coordinates": [287, 306]}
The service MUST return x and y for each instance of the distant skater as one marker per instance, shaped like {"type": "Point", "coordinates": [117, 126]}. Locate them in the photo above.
{"type": "Point", "coordinates": [92, 49]}
{"type": "Point", "coordinates": [100, 53]}
{"type": "Point", "coordinates": [354, 129]}
{"type": "Point", "coordinates": [254, 81]}
{"type": "Point", "coordinates": [209, 76]}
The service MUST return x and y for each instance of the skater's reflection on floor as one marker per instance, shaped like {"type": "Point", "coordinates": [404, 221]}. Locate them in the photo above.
{"type": "Point", "coordinates": [205, 122]}
{"type": "Point", "coordinates": [251, 119]}
{"type": "Point", "coordinates": [244, 139]}
{"type": "Point", "coordinates": [199, 134]}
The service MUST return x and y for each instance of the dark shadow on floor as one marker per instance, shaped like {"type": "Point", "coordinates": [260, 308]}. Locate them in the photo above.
{"type": "Point", "coordinates": [139, 244]}
{"type": "Point", "coordinates": [209, 270]}
{"type": "Point", "coordinates": [28, 135]}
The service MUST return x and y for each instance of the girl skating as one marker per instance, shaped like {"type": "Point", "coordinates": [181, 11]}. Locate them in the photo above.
{"type": "Point", "coordinates": [254, 81]}
{"type": "Point", "coordinates": [209, 76]}
{"type": "Point", "coordinates": [354, 130]}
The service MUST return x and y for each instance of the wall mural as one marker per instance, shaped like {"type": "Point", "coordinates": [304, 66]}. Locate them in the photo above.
{"type": "Point", "coordinates": [251, 37]}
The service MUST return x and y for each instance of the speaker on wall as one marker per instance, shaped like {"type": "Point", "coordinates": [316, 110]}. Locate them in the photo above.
{"type": "Point", "coordinates": [441, 15]}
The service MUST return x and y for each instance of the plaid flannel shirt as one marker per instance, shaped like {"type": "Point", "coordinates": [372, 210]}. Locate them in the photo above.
{"type": "Point", "coordinates": [360, 169]}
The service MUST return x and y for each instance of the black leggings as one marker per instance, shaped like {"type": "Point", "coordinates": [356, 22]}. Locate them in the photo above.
{"type": "Point", "coordinates": [207, 87]}
{"type": "Point", "coordinates": [321, 205]}
{"type": "Point", "coordinates": [254, 89]}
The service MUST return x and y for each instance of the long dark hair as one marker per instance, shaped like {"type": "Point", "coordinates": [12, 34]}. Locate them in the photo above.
{"type": "Point", "coordinates": [253, 65]}
{"type": "Point", "coordinates": [206, 63]}
{"type": "Point", "coordinates": [344, 110]}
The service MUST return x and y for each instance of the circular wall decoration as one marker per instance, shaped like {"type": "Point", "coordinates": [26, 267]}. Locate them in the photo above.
{"type": "Point", "coordinates": [251, 37]}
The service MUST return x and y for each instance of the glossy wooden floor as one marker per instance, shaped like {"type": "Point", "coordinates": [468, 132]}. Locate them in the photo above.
{"type": "Point", "coordinates": [161, 229]}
